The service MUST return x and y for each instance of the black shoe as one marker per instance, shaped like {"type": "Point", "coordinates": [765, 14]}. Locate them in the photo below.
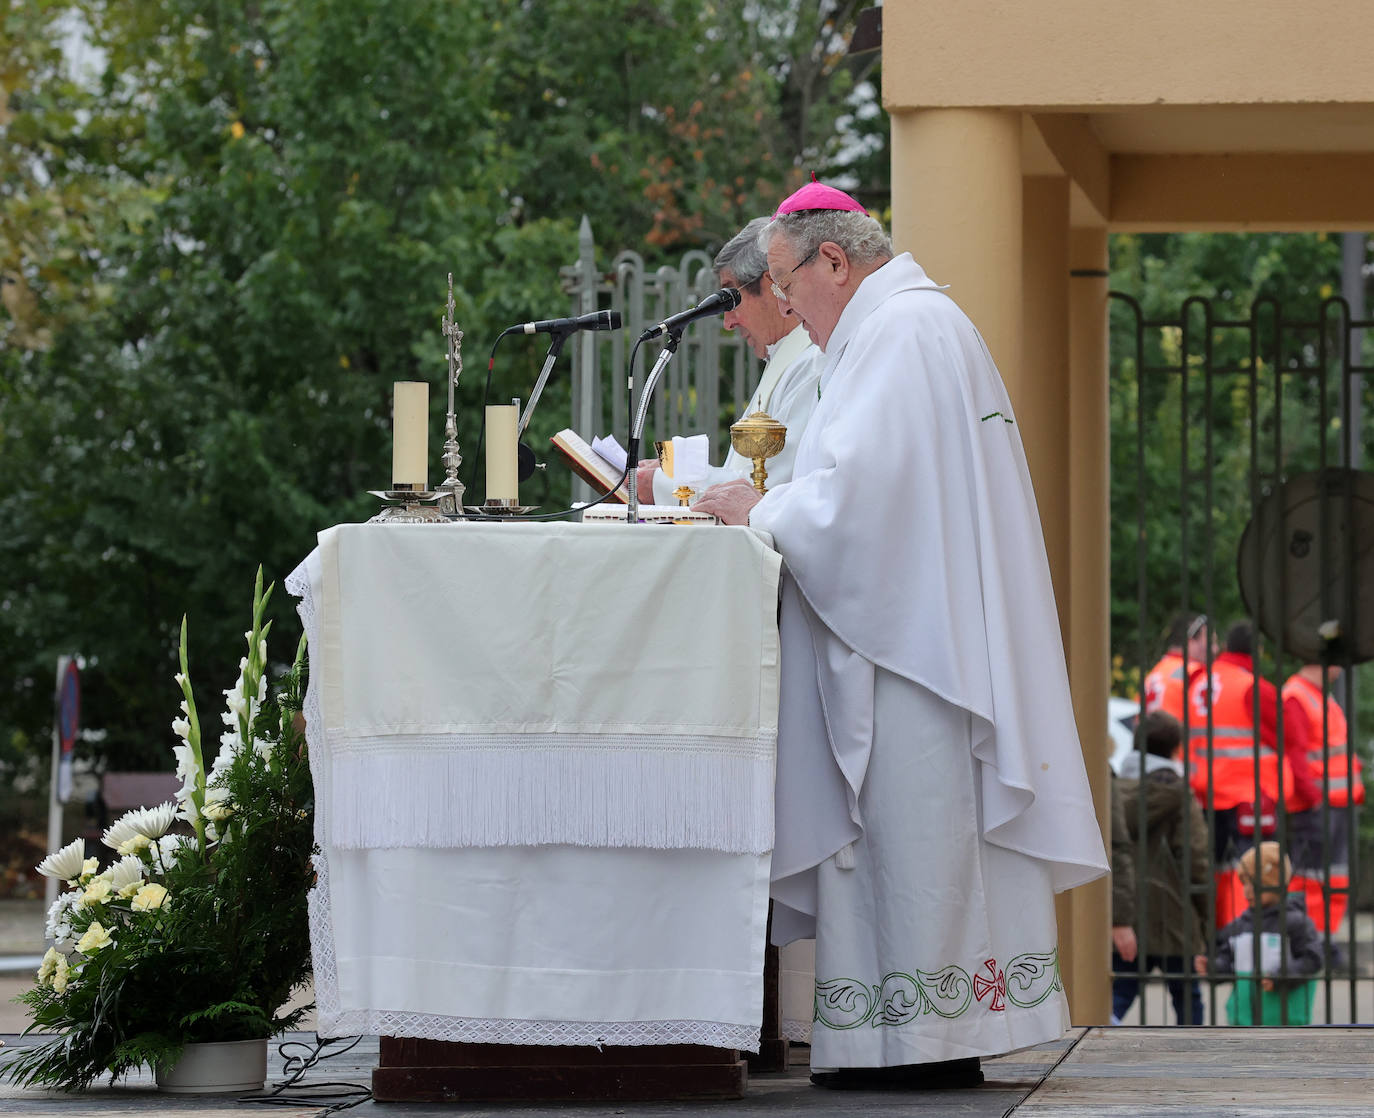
{"type": "Point", "coordinates": [945, 1075]}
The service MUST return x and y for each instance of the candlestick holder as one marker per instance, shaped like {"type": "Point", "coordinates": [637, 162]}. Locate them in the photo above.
{"type": "Point", "coordinates": [450, 490]}
{"type": "Point", "coordinates": [409, 506]}
{"type": "Point", "coordinates": [499, 506]}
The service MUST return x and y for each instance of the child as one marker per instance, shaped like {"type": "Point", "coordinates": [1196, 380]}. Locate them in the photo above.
{"type": "Point", "coordinates": [1169, 930]}
{"type": "Point", "coordinates": [1285, 932]}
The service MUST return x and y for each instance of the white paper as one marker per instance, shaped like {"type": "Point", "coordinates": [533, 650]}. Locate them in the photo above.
{"type": "Point", "coordinates": [611, 451]}
{"type": "Point", "coordinates": [691, 458]}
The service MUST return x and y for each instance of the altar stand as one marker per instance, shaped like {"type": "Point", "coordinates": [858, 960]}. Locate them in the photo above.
{"type": "Point", "coordinates": [543, 764]}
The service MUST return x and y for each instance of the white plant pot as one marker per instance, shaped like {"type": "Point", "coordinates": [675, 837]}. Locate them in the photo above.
{"type": "Point", "coordinates": [216, 1068]}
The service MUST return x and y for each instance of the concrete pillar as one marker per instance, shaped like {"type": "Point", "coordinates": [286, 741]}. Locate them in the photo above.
{"type": "Point", "coordinates": [1040, 394]}
{"type": "Point", "coordinates": [956, 207]}
{"type": "Point", "coordinates": [1086, 914]}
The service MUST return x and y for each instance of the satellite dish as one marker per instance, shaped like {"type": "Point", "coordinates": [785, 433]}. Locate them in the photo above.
{"type": "Point", "coordinates": [1306, 566]}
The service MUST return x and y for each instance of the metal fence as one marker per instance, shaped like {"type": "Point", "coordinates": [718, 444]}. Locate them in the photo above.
{"type": "Point", "coordinates": [1247, 500]}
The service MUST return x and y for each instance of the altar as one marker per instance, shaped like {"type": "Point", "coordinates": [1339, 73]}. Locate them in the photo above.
{"type": "Point", "coordinates": [543, 761]}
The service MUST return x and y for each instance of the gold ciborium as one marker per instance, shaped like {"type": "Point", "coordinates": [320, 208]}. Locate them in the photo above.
{"type": "Point", "coordinates": [758, 436]}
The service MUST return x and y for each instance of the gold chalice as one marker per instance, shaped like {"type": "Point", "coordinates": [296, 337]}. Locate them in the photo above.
{"type": "Point", "coordinates": [758, 436]}
{"type": "Point", "coordinates": [664, 449]}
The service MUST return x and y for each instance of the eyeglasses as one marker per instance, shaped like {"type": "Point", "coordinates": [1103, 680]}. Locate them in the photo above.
{"type": "Point", "coordinates": [778, 291]}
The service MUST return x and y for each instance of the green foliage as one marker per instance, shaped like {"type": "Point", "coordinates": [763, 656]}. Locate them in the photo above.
{"type": "Point", "coordinates": [1192, 453]}
{"type": "Point", "coordinates": [189, 937]}
{"type": "Point", "coordinates": [230, 236]}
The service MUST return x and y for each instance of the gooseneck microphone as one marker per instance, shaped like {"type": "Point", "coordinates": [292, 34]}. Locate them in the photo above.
{"type": "Point", "coordinates": [596, 320]}
{"type": "Point", "coordinates": [726, 299]}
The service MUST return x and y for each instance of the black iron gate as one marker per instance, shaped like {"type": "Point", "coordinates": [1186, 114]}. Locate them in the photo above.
{"type": "Point", "coordinates": [1239, 495]}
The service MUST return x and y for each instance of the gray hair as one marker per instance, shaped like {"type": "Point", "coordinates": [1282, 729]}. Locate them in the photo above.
{"type": "Point", "coordinates": [861, 236]}
{"type": "Point", "coordinates": [743, 256]}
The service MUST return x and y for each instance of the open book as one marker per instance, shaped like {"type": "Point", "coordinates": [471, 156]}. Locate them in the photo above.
{"type": "Point", "coordinates": [588, 465]}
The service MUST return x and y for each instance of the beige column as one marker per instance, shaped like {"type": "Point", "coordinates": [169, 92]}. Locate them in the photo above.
{"type": "Point", "coordinates": [1040, 394]}
{"type": "Point", "coordinates": [956, 207]}
{"type": "Point", "coordinates": [1085, 915]}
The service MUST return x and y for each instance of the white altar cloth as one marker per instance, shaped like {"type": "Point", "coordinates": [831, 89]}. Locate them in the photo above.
{"type": "Point", "coordinates": [556, 790]}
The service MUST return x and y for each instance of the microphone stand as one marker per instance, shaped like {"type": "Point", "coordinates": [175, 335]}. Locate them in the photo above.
{"type": "Point", "coordinates": [555, 348]}
{"type": "Point", "coordinates": [670, 344]}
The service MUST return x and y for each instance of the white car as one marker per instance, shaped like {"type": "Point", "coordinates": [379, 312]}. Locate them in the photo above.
{"type": "Point", "coordinates": [1122, 715]}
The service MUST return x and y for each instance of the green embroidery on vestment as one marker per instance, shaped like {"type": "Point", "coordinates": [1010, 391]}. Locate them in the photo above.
{"type": "Point", "coordinates": [900, 998]}
{"type": "Point", "coordinates": [993, 415]}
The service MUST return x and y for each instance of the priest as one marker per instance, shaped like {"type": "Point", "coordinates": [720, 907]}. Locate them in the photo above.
{"type": "Point", "coordinates": [787, 386]}
{"type": "Point", "coordinates": [931, 793]}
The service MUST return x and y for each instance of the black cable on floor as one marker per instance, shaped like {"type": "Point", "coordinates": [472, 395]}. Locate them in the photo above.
{"type": "Point", "coordinates": [298, 1057]}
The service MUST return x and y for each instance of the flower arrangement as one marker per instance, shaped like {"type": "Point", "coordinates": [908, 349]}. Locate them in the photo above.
{"type": "Point", "coordinates": [192, 936]}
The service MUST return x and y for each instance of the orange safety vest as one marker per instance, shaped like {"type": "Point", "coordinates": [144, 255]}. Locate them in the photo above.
{"type": "Point", "coordinates": [1164, 686]}
{"type": "Point", "coordinates": [1236, 749]}
{"type": "Point", "coordinates": [1339, 760]}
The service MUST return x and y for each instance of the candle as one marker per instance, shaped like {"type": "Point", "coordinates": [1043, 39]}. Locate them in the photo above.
{"type": "Point", "coordinates": [410, 429]}
{"type": "Point", "coordinates": [502, 463]}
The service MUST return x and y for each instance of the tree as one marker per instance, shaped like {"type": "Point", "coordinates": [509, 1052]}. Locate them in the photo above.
{"type": "Point", "coordinates": [259, 207]}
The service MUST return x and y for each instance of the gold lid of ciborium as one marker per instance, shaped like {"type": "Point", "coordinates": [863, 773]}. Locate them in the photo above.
{"type": "Point", "coordinates": [758, 436]}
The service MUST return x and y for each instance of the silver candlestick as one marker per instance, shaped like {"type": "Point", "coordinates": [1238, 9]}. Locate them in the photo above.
{"type": "Point", "coordinates": [451, 490]}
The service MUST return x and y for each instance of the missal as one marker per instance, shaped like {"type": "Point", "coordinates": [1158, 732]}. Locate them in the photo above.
{"type": "Point", "coordinates": [591, 467]}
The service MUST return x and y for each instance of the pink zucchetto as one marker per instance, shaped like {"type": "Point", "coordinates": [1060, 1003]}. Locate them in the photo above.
{"type": "Point", "coordinates": [817, 196]}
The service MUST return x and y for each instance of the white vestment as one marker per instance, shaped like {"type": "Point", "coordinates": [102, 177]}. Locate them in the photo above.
{"type": "Point", "coordinates": [931, 794]}
{"type": "Point", "coordinates": [787, 392]}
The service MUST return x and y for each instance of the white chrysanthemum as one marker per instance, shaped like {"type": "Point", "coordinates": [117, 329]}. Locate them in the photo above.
{"type": "Point", "coordinates": [217, 806]}
{"type": "Point", "coordinates": [119, 832]}
{"type": "Point", "coordinates": [153, 822]}
{"type": "Point", "coordinates": [125, 872]}
{"type": "Point", "coordinates": [66, 863]}
{"type": "Point", "coordinates": [169, 848]}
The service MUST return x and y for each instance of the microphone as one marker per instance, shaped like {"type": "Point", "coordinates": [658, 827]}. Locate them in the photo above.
{"type": "Point", "coordinates": [596, 320]}
{"type": "Point", "coordinates": [727, 298]}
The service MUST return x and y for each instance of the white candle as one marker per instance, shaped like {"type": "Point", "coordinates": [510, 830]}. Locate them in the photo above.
{"type": "Point", "coordinates": [503, 482]}
{"type": "Point", "coordinates": [410, 430]}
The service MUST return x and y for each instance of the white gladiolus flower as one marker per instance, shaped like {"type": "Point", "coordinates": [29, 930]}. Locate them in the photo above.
{"type": "Point", "coordinates": [181, 728]}
{"type": "Point", "coordinates": [66, 863]}
{"type": "Point", "coordinates": [186, 710]}
{"type": "Point", "coordinates": [187, 767]}
{"type": "Point", "coordinates": [262, 748]}
{"type": "Point", "coordinates": [181, 679]}
{"type": "Point", "coordinates": [262, 649]}
{"type": "Point", "coordinates": [237, 703]}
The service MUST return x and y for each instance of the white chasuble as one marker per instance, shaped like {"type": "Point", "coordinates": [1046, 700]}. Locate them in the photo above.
{"type": "Point", "coordinates": [931, 795]}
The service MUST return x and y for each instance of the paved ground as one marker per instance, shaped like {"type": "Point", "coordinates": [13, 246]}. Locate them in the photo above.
{"type": "Point", "coordinates": [1136, 1072]}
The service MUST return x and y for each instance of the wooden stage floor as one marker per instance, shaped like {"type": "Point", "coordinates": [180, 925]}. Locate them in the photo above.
{"type": "Point", "coordinates": [1144, 1072]}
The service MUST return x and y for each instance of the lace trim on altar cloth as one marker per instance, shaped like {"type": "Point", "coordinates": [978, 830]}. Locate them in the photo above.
{"type": "Point", "coordinates": [469, 1030]}
{"type": "Point", "coordinates": [798, 1031]}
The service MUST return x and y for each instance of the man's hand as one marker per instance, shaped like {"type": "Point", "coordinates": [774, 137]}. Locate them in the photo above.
{"type": "Point", "coordinates": [730, 501]}
{"type": "Point", "coordinates": [1123, 940]}
{"type": "Point", "coordinates": [644, 481]}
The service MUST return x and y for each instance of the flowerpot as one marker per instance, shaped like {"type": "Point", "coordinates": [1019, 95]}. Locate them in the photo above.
{"type": "Point", "coordinates": [216, 1068]}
